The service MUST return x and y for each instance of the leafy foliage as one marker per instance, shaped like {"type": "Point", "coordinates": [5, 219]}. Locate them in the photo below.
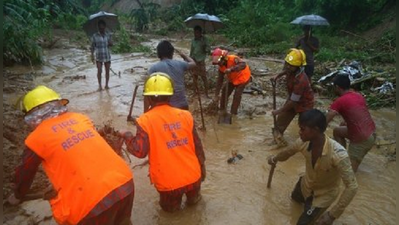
{"type": "Point", "coordinates": [25, 22]}
{"type": "Point", "coordinates": [346, 14]}
{"type": "Point", "coordinates": [142, 16]}
{"type": "Point", "coordinates": [122, 42]}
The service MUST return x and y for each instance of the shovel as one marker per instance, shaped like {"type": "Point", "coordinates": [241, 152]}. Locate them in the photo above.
{"type": "Point", "coordinates": [278, 137]}
{"type": "Point", "coordinates": [225, 117]}
{"type": "Point", "coordinates": [129, 117]}
{"type": "Point", "coordinates": [200, 104]}
{"type": "Point", "coordinates": [271, 172]}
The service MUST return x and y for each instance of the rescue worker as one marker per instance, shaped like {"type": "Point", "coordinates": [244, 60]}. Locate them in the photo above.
{"type": "Point", "coordinates": [327, 163]}
{"type": "Point", "coordinates": [92, 184]}
{"type": "Point", "coordinates": [199, 50]}
{"type": "Point", "coordinates": [300, 94]}
{"type": "Point", "coordinates": [168, 136]}
{"type": "Point", "coordinates": [359, 126]}
{"type": "Point", "coordinates": [237, 73]}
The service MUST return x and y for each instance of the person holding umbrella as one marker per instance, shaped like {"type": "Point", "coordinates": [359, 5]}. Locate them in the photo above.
{"type": "Point", "coordinates": [309, 44]}
{"type": "Point", "coordinates": [200, 49]}
{"type": "Point", "coordinates": [101, 41]}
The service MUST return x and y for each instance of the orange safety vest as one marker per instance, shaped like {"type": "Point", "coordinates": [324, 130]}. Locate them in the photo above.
{"type": "Point", "coordinates": [238, 77]}
{"type": "Point", "coordinates": [173, 161]}
{"type": "Point", "coordinates": [80, 164]}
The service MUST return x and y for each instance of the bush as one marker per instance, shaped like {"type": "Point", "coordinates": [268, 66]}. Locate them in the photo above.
{"type": "Point", "coordinates": [122, 42]}
{"type": "Point", "coordinates": [69, 21]}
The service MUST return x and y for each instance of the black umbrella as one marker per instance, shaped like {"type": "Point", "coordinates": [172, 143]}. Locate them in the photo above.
{"type": "Point", "coordinates": [312, 20]}
{"type": "Point", "coordinates": [91, 26]}
{"type": "Point", "coordinates": [208, 23]}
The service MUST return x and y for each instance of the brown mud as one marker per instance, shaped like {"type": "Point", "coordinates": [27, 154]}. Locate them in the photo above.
{"type": "Point", "coordinates": [232, 193]}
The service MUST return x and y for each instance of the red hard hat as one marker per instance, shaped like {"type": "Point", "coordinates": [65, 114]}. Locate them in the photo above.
{"type": "Point", "coordinates": [219, 52]}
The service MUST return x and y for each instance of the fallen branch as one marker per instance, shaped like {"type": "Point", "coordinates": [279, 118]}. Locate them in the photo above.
{"type": "Point", "coordinates": [356, 35]}
{"type": "Point", "coordinates": [362, 79]}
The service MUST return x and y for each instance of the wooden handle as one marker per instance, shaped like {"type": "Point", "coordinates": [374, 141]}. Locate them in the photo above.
{"type": "Point", "coordinates": [271, 172]}
{"type": "Point", "coordinates": [274, 100]}
{"type": "Point", "coordinates": [129, 117]}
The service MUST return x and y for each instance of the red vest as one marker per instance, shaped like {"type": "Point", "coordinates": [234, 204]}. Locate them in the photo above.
{"type": "Point", "coordinates": [173, 161]}
{"type": "Point", "coordinates": [238, 77]}
{"type": "Point", "coordinates": [80, 164]}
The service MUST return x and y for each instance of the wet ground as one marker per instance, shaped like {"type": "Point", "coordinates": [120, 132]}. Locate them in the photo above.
{"type": "Point", "coordinates": [232, 193]}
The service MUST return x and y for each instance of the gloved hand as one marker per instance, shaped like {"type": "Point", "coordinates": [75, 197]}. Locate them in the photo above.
{"type": "Point", "coordinates": [325, 219]}
{"type": "Point", "coordinates": [271, 160]}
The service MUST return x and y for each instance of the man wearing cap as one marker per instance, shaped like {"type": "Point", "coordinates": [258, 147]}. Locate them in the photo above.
{"type": "Point", "coordinates": [238, 74]}
{"type": "Point", "coordinates": [91, 183]}
{"type": "Point", "coordinates": [300, 94]}
{"type": "Point", "coordinates": [168, 136]}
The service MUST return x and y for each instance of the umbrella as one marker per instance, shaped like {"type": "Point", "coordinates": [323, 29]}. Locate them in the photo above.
{"type": "Point", "coordinates": [207, 22]}
{"type": "Point", "coordinates": [313, 20]}
{"type": "Point", "coordinates": [91, 27]}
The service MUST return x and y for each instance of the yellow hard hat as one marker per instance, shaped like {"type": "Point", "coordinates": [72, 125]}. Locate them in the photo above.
{"type": "Point", "coordinates": [40, 95]}
{"type": "Point", "coordinates": [158, 84]}
{"type": "Point", "coordinates": [296, 57]}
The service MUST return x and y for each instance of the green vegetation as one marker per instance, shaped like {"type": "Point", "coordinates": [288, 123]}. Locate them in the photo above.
{"type": "Point", "coordinates": [27, 21]}
{"type": "Point", "coordinates": [260, 25]}
{"type": "Point", "coordinates": [122, 42]}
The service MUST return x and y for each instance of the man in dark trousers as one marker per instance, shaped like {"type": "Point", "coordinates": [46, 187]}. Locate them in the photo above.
{"type": "Point", "coordinates": [309, 44]}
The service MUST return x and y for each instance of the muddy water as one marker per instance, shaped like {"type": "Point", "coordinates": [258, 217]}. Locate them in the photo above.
{"type": "Point", "coordinates": [232, 193]}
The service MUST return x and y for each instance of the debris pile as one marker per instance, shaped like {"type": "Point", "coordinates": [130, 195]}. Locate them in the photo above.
{"type": "Point", "coordinates": [112, 137]}
{"type": "Point", "coordinates": [377, 85]}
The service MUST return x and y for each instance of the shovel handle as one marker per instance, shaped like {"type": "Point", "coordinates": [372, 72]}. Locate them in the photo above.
{"type": "Point", "coordinates": [129, 117]}
{"type": "Point", "coordinates": [274, 99]}
{"type": "Point", "coordinates": [200, 102]}
{"type": "Point", "coordinates": [271, 172]}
